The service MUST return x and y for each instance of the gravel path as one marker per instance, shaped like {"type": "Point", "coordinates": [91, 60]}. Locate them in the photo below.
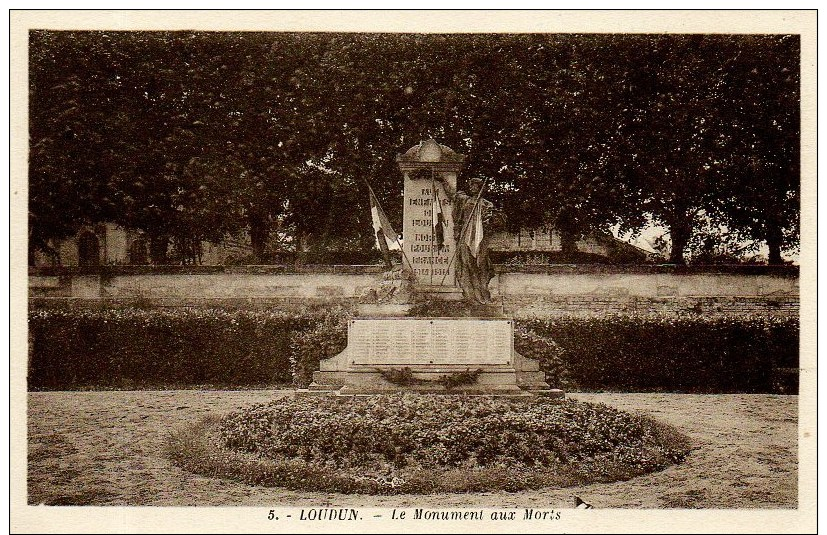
{"type": "Point", "coordinates": [105, 448]}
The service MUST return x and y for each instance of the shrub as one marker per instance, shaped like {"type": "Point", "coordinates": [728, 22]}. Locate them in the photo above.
{"type": "Point", "coordinates": [428, 431]}
{"type": "Point", "coordinates": [533, 258]}
{"type": "Point", "coordinates": [172, 348]}
{"type": "Point", "coordinates": [340, 257]}
{"type": "Point", "coordinates": [325, 338]}
{"type": "Point", "coordinates": [425, 443]}
{"type": "Point", "coordinates": [552, 358]}
{"type": "Point", "coordinates": [657, 353]}
{"type": "Point", "coordinates": [153, 348]}
{"type": "Point", "coordinates": [182, 347]}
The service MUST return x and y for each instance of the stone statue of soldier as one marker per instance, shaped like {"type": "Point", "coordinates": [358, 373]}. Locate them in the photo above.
{"type": "Point", "coordinates": [473, 271]}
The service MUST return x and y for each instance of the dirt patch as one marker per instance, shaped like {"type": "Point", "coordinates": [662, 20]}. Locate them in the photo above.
{"type": "Point", "coordinates": [106, 448]}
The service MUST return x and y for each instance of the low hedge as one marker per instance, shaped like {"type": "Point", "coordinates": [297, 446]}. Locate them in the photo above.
{"type": "Point", "coordinates": [160, 348]}
{"type": "Point", "coordinates": [174, 348]}
{"type": "Point", "coordinates": [681, 354]}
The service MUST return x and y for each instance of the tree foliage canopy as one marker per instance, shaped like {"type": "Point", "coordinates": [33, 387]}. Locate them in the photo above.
{"type": "Point", "coordinates": [191, 136]}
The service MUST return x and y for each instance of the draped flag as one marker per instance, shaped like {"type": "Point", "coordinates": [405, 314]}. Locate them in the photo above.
{"type": "Point", "coordinates": [439, 222]}
{"type": "Point", "coordinates": [473, 236]}
{"type": "Point", "coordinates": [381, 225]}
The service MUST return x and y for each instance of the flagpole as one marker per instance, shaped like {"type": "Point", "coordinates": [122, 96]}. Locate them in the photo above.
{"type": "Point", "coordinates": [433, 228]}
{"type": "Point", "coordinates": [395, 238]}
{"type": "Point", "coordinates": [433, 239]}
{"type": "Point", "coordinates": [464, 229]}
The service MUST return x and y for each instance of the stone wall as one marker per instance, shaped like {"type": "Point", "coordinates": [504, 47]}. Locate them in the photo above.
{"type": "Point", "coordinates": [530, 290]}
{"type": "Point", "coordinates": [591, 291]}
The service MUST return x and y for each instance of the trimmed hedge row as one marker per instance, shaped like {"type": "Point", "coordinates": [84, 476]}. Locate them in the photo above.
{"type": "Point", "coordinates": [152, 348]}
{"type": "Point", "coordinates": [685, 354]}
{"type": "Point", "coordinates": [174, 348]}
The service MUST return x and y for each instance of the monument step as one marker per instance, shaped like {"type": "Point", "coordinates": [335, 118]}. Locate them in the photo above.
{"type": "Point", "coordinates": [425, 292]}
{"type": "Point", "coordinates": [327, 379]}
{"type": "Point", "coordinates": [420, 368]}
{"type": "Point", "coordinates": [382, 310]}
{"type": "Point", "coordinates": [456, 309]}
{"type": "Point", "coordinates": [319, 391]}
{"type": "Point", "coordinates": [525, 364]}
{"type": "Point", "coordinates": [532, 380]}
{"type": "Point", "coordinates": [502, 390]}
{"type": "Point", "coordinates": [550, 393]}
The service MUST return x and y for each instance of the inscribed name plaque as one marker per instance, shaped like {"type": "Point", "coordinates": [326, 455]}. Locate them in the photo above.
{"type": "Point", "coordinates": [416, 341]}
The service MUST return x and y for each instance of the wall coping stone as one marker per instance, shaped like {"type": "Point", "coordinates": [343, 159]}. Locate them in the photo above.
{"type": "Point", "coordinates": [789, 271]}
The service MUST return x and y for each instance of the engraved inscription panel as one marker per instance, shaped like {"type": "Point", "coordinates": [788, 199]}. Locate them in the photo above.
{"type": "Point", "coordinates": [429, 263]}
{"type": "Point", "coordinates": [398, 342]}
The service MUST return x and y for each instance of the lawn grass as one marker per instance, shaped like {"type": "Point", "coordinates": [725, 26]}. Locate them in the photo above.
{"type": "Point", "coordinates": [746, 456]}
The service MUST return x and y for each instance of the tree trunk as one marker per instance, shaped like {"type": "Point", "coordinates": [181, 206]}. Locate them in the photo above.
{"type": "Point", "coordinates": [679, 231]}
{"type": "Point", "coordinates": [569, 232]}
{"type": "Point", "coordinates": [303, 248]}
{"type": "Point", "coordinates": [259, 234]}
{"type": "Point", "coordinates": [774, 239]}
{"type": "Point", "coordinates": [568, 242]}
{"type": "Point", "coordinates": [158, 249]}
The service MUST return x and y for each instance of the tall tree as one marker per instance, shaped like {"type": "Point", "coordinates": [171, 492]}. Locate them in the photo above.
{"type": "Point", "coordinates": [562, 147]}
{"type": "Point", "coordinates": [141, 110]}
{"type": "Point", "coordinates": [762, 197]}
{"type": "Point", "coordinates": [68, 138]}
{"type": "Point", "coordinates": [677, 130]}
{"type": "Point", "coordinates": [191, 136]}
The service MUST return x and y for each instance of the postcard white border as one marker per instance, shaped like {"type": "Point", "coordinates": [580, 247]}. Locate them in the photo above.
{"type": "Point", "coordinates": [26, 518]}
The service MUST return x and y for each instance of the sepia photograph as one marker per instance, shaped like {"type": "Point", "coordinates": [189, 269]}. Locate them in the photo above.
{"type": "Point", "coordinates": [398, 271]}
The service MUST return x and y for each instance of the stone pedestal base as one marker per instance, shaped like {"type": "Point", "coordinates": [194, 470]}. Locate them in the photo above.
{"type": "Point", "coordinates": [420, 354]}
{"type": "Point", "coordinates": [435, 292]}
{"type": "Point", "coordinates": [424, 292]}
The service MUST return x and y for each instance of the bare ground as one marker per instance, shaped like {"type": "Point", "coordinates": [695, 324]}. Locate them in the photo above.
{"type": "Point", "coordinates": [105, 448]}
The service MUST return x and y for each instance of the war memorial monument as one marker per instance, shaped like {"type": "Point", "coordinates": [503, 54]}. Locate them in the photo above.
{"type": "Point", "coordinates": [445, 258]}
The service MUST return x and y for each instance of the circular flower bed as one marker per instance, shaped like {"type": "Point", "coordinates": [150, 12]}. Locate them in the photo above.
{"type": "Point", "coordinates": [419, 443]}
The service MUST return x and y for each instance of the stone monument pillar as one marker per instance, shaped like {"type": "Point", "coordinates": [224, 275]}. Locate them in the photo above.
{"type": "Point", "coordinates": [428, 257]}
